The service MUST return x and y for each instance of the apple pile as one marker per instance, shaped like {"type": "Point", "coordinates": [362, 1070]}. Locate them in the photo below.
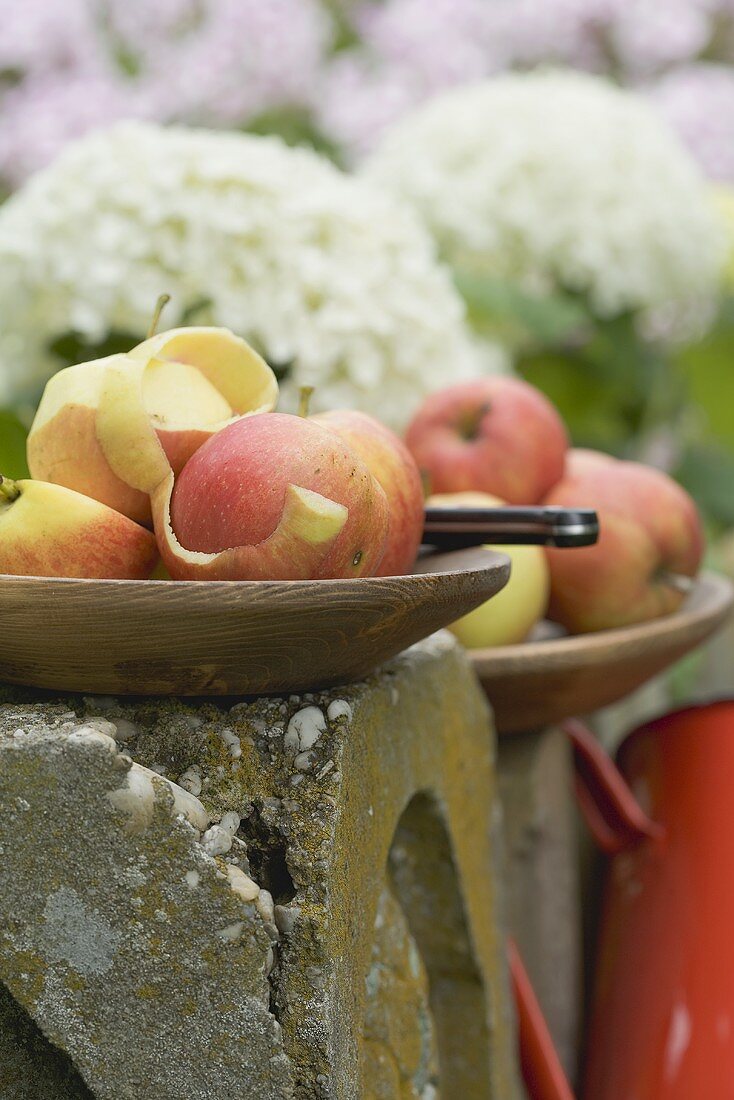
{"type": "Point", "coordinates": [501, 436]}
{"type": "Point", "coordinates": [173, 452]}
{"type": "Point", "coordinates": [179, 435]}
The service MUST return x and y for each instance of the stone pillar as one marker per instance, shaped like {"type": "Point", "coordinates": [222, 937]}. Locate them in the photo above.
{"type": "Point", "coordinates": [542, 878]}
{"type": "Point", "coordinates": [275, 898]}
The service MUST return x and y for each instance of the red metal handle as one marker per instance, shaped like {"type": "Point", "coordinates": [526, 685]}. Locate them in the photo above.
{"type": "Point", "coordinates": [614, 816]}
{"type": "Point", "coordinates": [542, 1071]}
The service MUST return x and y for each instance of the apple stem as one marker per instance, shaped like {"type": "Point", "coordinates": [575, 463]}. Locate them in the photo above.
{"type": "Point", "coordinates": [160, 305]}
{"type": "Point", "coordinates": [677, 581]}
{"type": "Point", "coordinates": [304, 400]}
{"type": "Point", "coordinates": [9, 490]}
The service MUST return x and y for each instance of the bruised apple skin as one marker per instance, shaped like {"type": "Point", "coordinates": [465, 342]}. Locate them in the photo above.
{"type": "Point", "coordinates": [650, 533]}
{"type": "Point", "coordinates": [272, 496]}
{"type": "Point", "coordinates": [391, 463]}
{"type": "Point", "coordinates": [494, 435]}
{"type": "Point", "coordinates": [50, 531]}
{"type": "Point", "coordinates": [112, 428]}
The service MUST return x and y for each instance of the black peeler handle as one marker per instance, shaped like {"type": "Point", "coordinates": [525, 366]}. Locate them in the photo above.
{"type": "Point", "coordinates": [456, 528]}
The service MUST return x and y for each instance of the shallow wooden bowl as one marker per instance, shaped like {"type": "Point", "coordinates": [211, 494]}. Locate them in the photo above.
{"type": "Point", "coordinates": [535, 684]}
{"type": "Point", "coordinates": [229, 637]}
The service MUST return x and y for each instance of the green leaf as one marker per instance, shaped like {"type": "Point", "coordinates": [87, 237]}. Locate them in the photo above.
{"type": "Point", "coordinates": [590, 409]}
{"type": "Point", "coordinates": [497, 306]}
{"type": "Point", "coordinates": [12, 445]}
{"type": "Point", "coordinates": [71, 347]}
{"type": "Point", "coordinates": [192, 314]}
{"type": "Point", "coordinates": [707, 472]}
{"type": "Point", "coordinates": [708, 368]}
{"type": "Point", "coordinates": [295, 126]}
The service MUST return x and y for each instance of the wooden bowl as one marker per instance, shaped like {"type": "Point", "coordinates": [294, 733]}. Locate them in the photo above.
{"type": "Point", "coordinates": [229, 637]}
{"type": "Point", "coordinates": [535, 684]}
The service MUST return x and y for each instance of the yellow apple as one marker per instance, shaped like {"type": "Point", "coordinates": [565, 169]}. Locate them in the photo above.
{"type": "Point", "coordinates": [510, 615]}
{"type": "Point", "coordinates": [50, 531]}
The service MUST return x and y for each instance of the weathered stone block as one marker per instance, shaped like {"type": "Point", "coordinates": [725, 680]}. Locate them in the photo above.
{"type": "Point", "coordinates": [307, 909]}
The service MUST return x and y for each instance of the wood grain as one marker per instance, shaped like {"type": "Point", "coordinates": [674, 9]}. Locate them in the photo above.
{"type": "Point", "coordinates": [229, 637]}
{"type": "Point", "coordinates": [535, 684]}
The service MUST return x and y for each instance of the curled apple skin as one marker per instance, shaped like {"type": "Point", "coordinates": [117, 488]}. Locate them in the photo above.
{"type": "Point", "coordinates": [307, 529]}
{"type": "Point", "coordinates": [113, 427]}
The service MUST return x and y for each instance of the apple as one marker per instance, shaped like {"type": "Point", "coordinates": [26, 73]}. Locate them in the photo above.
{"type": "Point", "coordinates": [510, 615]}
{"type": "Point", "coordinates": [496, 435]}
{"type": "Point", "coordinates": [50, 531]}
{"type": "Point", "coordinates": [275, 497]}
{"type": "Point", "coordinates": [112, 428]}
{"type": "Point", "coordinates": [650, 541]}
{"type": "Point", "coordinates": [392, 465]}
{"type": "Point", "coordinates": [579, 460]}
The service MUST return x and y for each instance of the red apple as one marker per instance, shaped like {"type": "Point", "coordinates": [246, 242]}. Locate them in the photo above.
{"type": "Point", "coordinates": [495, 435]}
{"type": "Point", "coordinates": [391, 463]}
{"type": "Point", "coordinates": [271, 496]}
{"type": "Point", "coordinates": [650, 535]}
{"type": "Point", "coordinates": [579, 460]}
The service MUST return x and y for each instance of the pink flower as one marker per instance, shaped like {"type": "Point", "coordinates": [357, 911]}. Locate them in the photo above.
{"type": "Point", "coordinates": [45, 112]}
{"type": "Point", "coordinates": [242, 58]}
{"type": "Point", "coordinates": [37, 35]}
{"type": "Point", "coordinates": [646, 35]}
{"type": "Point", "coordinates": [72, 65]}
{"type": "Point", "coordinates": [410, 49]}
{"type": "Point", "coordinates": [699, 102]}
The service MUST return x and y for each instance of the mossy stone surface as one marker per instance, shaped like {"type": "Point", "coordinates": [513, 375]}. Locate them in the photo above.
{"type": "Point", "coordinates": [345, 942]}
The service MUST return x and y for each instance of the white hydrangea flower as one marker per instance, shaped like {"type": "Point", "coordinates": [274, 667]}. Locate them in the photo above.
{"type": "Point", "coordinates": [555, 178]}
{"type": "Point", "coordinates": [317, 269]}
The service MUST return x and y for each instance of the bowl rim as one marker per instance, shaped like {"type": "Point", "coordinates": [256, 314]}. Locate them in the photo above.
{"type": "Point", "coordinates": [491, 559]}
{"type": "Point", "coordinates": [716, 588]}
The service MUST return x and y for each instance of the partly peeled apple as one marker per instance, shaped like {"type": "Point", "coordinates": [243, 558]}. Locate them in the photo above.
{"type": "Point", "coordinates": [512, 613]}
{"type": "Point", "coordinates": [391, 463]}
{"type": "Point", "coordinates": [113, 428]}
{"type": "Point", "coordinates": [271, 497]}
{"type": "Point", "coordinates": [50, 531]}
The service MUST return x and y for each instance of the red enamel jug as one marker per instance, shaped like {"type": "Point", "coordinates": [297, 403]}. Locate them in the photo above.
{"type": "Point", "coordinates": [662, 1025]}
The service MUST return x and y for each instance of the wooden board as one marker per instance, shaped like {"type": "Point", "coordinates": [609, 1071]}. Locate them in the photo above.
{"type": "Point", "coordinates": [229, 637]}
{"type": "Point", "coordinates": [535, 684]}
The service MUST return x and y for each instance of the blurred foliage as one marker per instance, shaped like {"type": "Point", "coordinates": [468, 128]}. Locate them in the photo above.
{"type": "Point", "coordinates": [505, 312]}
{"type": "Point", "coordinates": [619, 392]}
{"type": "Point", "coordinates": [706, 470]}
{"type": "Point", "coordinates": [295, 126]}
{"type": "Point", "coordinates": [72, 348]}
{"type": "Point", "coordinates": [708, 369]}
{"type": "Point", "coordinates": [12, 445]}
